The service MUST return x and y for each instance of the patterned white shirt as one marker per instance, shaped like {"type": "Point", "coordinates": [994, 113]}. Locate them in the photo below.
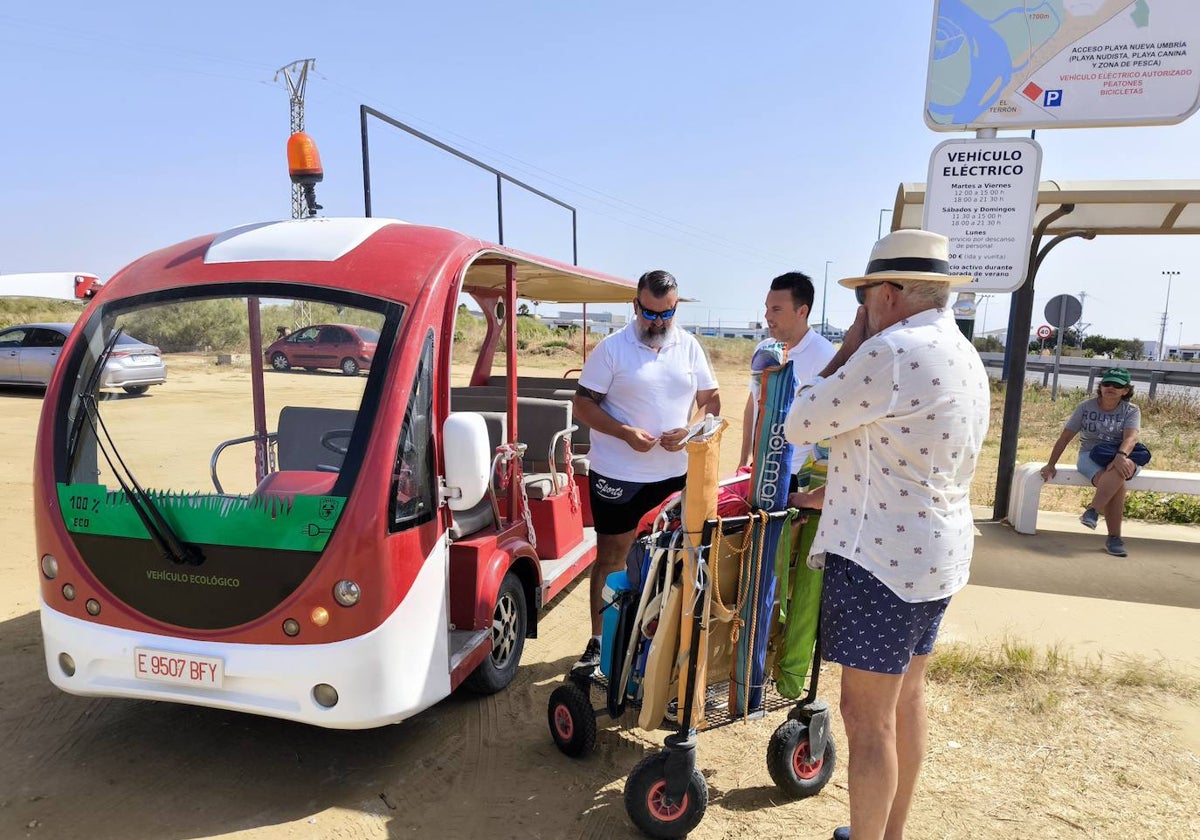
{"type": "Point", "coordinates": [906, 416]}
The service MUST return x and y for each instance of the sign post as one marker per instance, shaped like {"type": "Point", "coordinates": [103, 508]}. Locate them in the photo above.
{"type": "Point", "coordinates": [1063, 311]}
{"type": "Point", "coordinates": [981, 194]}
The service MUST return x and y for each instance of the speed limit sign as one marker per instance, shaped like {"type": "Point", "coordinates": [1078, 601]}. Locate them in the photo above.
{"type": "Point", "coordinates": [1044, 331]}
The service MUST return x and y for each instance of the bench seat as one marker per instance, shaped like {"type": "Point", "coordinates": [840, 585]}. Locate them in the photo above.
{"type": "Point", "coordinates": [1027, 489]}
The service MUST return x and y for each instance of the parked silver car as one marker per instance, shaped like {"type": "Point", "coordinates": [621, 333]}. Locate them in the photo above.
{"type": "Point", "coordinates": [29, 352]}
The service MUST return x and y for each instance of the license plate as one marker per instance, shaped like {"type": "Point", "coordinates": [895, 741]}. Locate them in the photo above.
{"type": "Point", "coordinates": [178, 668]}
{"type": "Point", "coordinates": [143, 360]}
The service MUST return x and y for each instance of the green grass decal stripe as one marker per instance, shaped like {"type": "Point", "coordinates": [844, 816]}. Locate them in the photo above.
{"type": "Point", "coordinates": [299, 523]}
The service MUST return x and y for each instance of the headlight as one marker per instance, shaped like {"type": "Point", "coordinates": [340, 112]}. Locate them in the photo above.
{"type": "Point", "coordinates": [346, 593]}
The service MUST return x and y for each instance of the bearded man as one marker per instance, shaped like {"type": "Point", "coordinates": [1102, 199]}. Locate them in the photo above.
{"type": "Point", "coordinates": [636, 393]}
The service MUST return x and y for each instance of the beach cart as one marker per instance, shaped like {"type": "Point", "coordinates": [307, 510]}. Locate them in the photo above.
{"type": "Point", "coordinates": [713, 617]}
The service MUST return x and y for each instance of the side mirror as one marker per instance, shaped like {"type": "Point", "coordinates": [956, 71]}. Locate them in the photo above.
{"type": "Point", "coordinates": [468, 459]}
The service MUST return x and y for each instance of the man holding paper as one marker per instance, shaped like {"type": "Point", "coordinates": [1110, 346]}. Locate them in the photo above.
{"type": "Point", "coordinates": [636, 393]}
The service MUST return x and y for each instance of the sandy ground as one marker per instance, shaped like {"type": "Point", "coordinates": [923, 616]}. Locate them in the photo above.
{"type": "Point", "coordinates": [76, 767]}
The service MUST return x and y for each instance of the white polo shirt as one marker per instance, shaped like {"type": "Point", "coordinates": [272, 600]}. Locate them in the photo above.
{"type": "Point", "coordinates": [809, 357]}
{"type": "Point", "coordinates": [648, 389]}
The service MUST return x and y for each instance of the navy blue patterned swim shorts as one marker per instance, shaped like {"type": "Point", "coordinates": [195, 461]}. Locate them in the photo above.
{"type": "Point", "coordinates": [867, 626]}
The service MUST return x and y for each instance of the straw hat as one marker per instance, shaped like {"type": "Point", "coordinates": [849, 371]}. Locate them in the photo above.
{"type": "Point", "coordinates": [909, 255]}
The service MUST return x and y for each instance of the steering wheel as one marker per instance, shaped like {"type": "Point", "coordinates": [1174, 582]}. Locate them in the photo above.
{"type": "Point", "coordinates": [328, 440]}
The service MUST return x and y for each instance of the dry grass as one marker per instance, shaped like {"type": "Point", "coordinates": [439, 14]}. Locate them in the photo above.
{"type": "Point", "coordinates": [1079, 749]}
{"type": "Point", "coordinates": [1028, 671]}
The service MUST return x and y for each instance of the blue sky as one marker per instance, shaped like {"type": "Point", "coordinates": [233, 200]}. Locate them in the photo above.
{"type": "Point", "coordinates": [725, 144]}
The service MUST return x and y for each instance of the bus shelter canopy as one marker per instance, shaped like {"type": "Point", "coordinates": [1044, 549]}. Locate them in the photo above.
{"type": "Point", "coordinates": [1140, 208]}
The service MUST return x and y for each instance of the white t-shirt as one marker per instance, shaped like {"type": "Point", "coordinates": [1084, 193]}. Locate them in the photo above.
{"type": "Point", "coordinates": [648, 389]}
{"type": "Point", "coordinates": [808, 359]}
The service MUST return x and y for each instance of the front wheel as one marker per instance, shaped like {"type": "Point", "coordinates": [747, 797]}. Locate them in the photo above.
{"type": "Point", "coordinates": [647, 804]}
{"type": "Point", "coordinates": [280, 362]}
{"type": "Point", "coordinates": [508, 640]}
{"type": "Point", "coordinates": [572, 720]}
{"type": "Point", "coordinates": [791, 764]}
{"type": "Point", "coordinates": [349, 367]}
{"type": "Point", "coordinates": [136, 390]}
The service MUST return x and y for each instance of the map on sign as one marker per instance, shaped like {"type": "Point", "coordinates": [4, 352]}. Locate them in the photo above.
{"type": "Point", "coordinates": [1062, 63]}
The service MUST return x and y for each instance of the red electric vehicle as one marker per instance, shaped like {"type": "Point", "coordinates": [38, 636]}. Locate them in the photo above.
{"type": "Point", "coordinates": [370, 542]}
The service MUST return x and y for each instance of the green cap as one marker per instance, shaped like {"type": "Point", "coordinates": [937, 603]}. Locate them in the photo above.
{"type": "Point", "coordinates": [1118, 376]}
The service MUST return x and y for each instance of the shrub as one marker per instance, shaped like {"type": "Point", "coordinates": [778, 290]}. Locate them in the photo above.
{"type": "Point", "coordinates": [1163, 507]}
{"type": "Point", "coordinates": [22, 310]}
{"type": "Point", "coordinates": [195, 325]}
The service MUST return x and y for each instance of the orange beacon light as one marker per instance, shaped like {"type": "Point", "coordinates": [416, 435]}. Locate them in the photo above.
{"type": "Point", "coordinates": [304, 161]}
{"type": "Point", "coordinates": [304, 167]}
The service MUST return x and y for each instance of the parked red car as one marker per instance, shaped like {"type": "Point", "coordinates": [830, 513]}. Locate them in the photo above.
{"type": "Point", "coordinates": [344, 347]}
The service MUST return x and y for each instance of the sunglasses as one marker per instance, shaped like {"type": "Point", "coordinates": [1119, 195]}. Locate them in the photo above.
{"type": "Point", "coordinates": [860, 292]}
{"type": "Point", "coordinates": [652, 315]}
{"type": "Point", "coordinates": [1112, 385]}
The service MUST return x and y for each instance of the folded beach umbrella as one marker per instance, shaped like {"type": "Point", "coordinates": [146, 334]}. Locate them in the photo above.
{"type": "Point", "coordinates": [699, 505]}
{"type": "Point", "coordinates": [768, 492]}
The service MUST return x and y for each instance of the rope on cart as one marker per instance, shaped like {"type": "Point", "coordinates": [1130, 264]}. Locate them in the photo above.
{"type": "Point", "coordinates": [720, 611]}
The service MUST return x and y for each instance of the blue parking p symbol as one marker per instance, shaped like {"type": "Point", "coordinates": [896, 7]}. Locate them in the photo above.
{"type": "Point", "coordinates": [1052, 99]}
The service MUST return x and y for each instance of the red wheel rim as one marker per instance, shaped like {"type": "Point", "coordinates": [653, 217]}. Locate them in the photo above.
{"type": "Point", "coordinates": [803, 764]}
{"type": "Point", "coordinates": [657, 805]}
{"type": "Point", "coordinates": [563, 725]}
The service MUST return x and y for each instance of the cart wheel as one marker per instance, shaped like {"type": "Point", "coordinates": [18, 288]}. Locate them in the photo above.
{"type": "Point", "coordinates": [572, 720]}
{"type": "Point", "coordinates": [645, 800]}
{"type": "Point", "coordinates": [508, 640]}
{"type": "Point", "coordinates": [792, 767]}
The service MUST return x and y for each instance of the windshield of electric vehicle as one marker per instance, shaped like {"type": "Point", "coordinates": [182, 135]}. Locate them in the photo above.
{"type": "Point", "coordinates": [181, 439]}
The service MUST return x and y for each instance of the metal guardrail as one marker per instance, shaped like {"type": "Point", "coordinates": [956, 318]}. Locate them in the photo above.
{"type": "Point", "coordinates": [1185, 374]}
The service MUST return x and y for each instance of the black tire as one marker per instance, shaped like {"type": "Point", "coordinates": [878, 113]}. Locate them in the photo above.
{"type": "Point", "coordinates": [280, 362]}
{"type": "Point", "coordinates": [792, 768]}
{"type": "Point", "coordinates": [572, 720]}
{"type": "Point", "coordinates": [136, 390]}
{"type": "Point", "coordinates": [349, 366]}
{"type": "Point", "coordinates": [508, 640]}
{"type": "Point", "coordinates": [644, 792]}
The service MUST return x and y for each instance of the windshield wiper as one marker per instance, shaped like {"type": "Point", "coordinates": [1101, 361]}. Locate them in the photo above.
{"type": "Point", "coordinates": [160, 531]}
{"type": "Point", "coordinates": [93, 382]}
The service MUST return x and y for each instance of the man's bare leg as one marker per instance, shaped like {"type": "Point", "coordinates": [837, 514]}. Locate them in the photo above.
{"type": "Point", "coordinates": [912, 736]}
{"type": "Point", "coordinates": [868, 707]}
{"type": "Point", "coordinates": [611, 550]}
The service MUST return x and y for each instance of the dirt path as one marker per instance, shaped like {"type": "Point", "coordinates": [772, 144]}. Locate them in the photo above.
{"type": "Point", "coordinates": [481, 768]}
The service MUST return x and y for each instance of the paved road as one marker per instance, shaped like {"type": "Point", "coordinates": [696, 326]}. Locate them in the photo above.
{"type": "Point", "coordinates": [1080, 382]}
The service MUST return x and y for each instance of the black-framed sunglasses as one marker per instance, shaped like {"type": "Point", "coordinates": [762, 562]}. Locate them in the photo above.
{"type": "Point", "coordinates": [653, 315]}
{"type": "Point", "coordinates": [860, 292]}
